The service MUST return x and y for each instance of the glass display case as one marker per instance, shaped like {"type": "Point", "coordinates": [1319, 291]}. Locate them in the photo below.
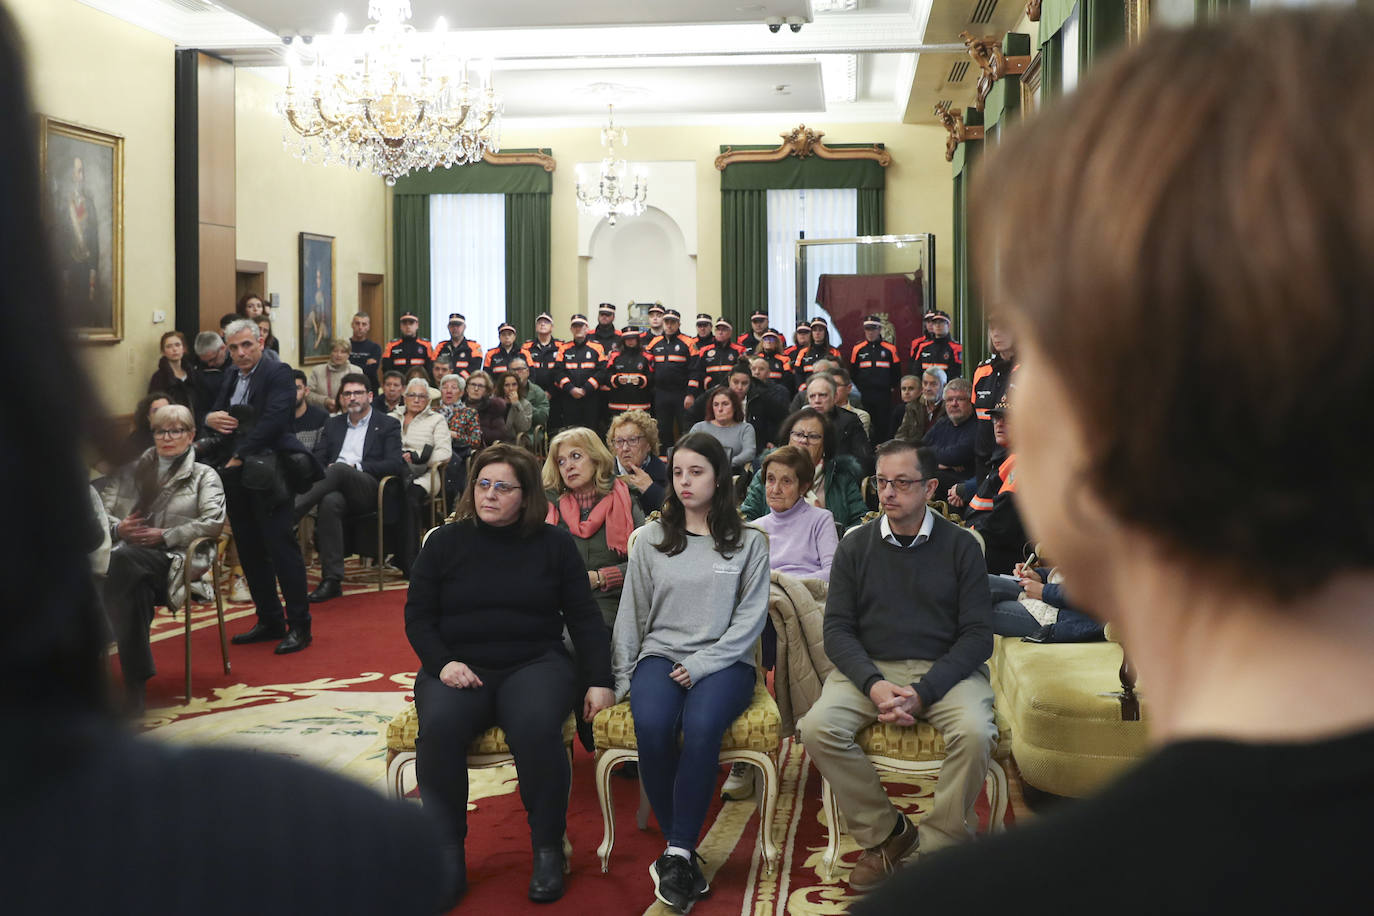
{"type": "Point", "coordinates": [842, 280]}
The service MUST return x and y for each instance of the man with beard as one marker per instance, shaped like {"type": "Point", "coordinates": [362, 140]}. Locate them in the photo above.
{"type": "Point", "coordinates": [308, 419]}
{"type": "Point", "coordinates": [464, 354]}
{"type": "Point", "coordinates": [758, 323]}
{"type": "Point", "coordinates": [922, 405]}
{"type": "Point", "coordinates": [409, 350]}
{"type": "Point", "coordinates": [604, 334]}
{"type": "Point", "coordinates": [937, 350]}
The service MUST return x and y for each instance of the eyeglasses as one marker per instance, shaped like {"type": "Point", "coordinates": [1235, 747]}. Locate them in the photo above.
{"type": "Point", "coordinates": [353, 394]}
{"type": "Point", "coordinates": [900, 484]}
{"type": "Point", "coordinates": [170, 433]}
{"type": "Point", "coordinates": [500, 486]}
{"type": "Point", "coordinates": [627, 442]}
{"type": "Point", "coordinates": [806, 437]}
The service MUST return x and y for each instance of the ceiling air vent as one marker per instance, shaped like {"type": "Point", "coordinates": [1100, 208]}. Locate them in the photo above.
{"type": "Point", "coordinates": [958, 72]}
{"type": "Point", "coordinates": [192, 6]}
{"type": "Point", "coordinates": [982, 11]}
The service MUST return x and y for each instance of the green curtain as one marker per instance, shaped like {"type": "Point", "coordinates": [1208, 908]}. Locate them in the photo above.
{"type": "Point", "coordinates": [796, 174]}
{"type": "Point", "coordinates": [968, 312]}
{"type": "Point", "coordinates": [1101, 29]}
{"type": "Point", "coordinates": [410, 221]}
{"type": "Point", "coordinates": [743, 254]}
{"type": "Point", "coordinates": [872, 221]}
{"type": "Point", "coordinates": [1052, 69]}
{"type": "Point", "coordinates": [479, 178]}
{"type": "Point", "coordinates": [528, 253]}
{"type": "Point", "coordinates": [1207, 10]}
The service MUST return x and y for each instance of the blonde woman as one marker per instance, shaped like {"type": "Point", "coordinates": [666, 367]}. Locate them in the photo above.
{"type": "Point", "coordinates": [633, 437]}
{"type": "Point", "coordinates": [326, 377]}
{"type": "Point", "coordinates": [600, 510]}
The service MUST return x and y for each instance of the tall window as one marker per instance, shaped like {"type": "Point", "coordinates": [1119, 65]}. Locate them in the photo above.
{"type": "Point", "coordinates": [467, 264]}
{"type": "Point", "coordinates": [809, 214]}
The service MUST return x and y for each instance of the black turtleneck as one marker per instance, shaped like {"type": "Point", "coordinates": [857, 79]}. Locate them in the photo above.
{"type": "Point", "coordinates": [490, 598]}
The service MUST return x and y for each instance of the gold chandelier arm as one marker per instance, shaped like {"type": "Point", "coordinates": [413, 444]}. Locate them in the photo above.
{"type": "Point", "coordinates": [296, 125]}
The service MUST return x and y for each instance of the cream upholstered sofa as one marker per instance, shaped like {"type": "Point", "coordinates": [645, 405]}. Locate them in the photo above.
{"type": "Point", "coordinates": [1076, 720]}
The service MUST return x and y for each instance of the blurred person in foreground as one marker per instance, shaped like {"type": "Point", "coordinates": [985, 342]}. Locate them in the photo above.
{"type": "Point", "coordinates": [1210, 214]}
{"type": "Point", "coordinates": [230, 832]}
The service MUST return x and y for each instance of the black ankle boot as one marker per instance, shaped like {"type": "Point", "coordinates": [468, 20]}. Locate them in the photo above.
{"type": "Point", "coordinates": [546, 884]}
{"type": "Point", "coordinates": [453, 857]}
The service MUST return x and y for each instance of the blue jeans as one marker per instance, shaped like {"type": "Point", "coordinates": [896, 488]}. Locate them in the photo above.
{"type": "Point", "coordinates": [681, 781]}
{"type": "Point", "coordinates": [1009, 616]}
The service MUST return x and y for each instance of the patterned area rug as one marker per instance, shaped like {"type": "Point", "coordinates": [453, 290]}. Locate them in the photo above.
{"type": "Point", "coordinates": [329, 706]}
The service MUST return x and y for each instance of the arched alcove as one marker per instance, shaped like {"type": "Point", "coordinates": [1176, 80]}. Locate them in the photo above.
{"type": "Point", "coordinates": [642, 259]}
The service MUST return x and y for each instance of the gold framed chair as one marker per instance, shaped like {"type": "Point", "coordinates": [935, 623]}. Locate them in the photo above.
{"type": "Point", "coordinates": [215, 546]}
{"type": "Point", "coordinates": [915, 750]}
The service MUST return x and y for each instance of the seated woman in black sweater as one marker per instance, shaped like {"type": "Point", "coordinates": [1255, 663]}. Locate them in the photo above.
{"type": "Point", "coordinates": [491, 652]}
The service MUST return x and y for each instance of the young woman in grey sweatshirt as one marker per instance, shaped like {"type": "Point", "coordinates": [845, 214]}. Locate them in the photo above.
{"type": "Point", "coordinates": [693, 605]}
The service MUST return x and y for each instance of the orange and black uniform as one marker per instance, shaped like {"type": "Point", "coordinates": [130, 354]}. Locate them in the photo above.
{"type": "Point", "coordinates": [578, 365]}
{"type": "Point", "coordinates": [780, 370]}
{"type": "Point", "coordinates": [876, 369]}
{"type": "Point", "coordinates": [750, 342]}
{"type": "Point", "coordinates": [628, 380]}
{"type": "Point", "coordinates": [937, 353]}
{"type": "Point", "coordinates": [541, 357]}
{"type": "Point", "coordinates": [713, 365]}
{"type": "Point", "coordinates": [805, 361]}
{"type": "Point", "coordinates": [992, 513]}
{"type": "Point", "coordinates": [673, 359]}
{"type": "Point", "coordinates": [466, 356]}
{"type": "Point", "coordinates": [495, 363]}
{"type": "Point", "coordinates": [700, 343]}
{"type": "Point", "coordinates": [989, 385]}
{"type": "Point", "coordinates": [605, 336]}
{"type": "Point", "coordinates": [405, 352]}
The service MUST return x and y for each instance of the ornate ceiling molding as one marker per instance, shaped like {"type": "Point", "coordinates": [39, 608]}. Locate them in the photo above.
{"type": "Point", "coordinates": [802, 143]}
{"type": "Point", "coordinates": [987, 54]}
{"type": "Point", "coordinates": [540, 158]}
{"type": "Point", "coordinates": [953, 121]}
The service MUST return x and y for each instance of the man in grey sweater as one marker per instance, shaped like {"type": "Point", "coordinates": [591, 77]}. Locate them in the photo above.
{"type": "Point", "coordinates": [908, 624]}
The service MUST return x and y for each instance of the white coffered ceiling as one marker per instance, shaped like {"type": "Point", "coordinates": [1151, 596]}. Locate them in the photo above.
{"type": "Point", "coordinates": [658, 61]}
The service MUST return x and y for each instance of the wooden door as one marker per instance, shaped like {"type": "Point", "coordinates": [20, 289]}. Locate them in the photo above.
{"type": "Point", "coordinates": [371, 301]}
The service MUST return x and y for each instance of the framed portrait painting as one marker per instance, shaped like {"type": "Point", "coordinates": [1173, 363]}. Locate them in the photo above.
{"type": "Point", "coordinates": [83, 191]}
{"type": "Point", "coordinates": [317, 297]}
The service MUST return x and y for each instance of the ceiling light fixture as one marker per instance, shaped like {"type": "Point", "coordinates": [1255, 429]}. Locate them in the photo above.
{"type": "Point", "coordinates": [404, 101]}
{"type": "Point", "coordinates": [611, 197]}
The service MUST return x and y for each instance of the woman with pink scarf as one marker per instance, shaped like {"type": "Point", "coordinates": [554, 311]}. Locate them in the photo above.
{"type": "Point", "coordinates": [598, 508]}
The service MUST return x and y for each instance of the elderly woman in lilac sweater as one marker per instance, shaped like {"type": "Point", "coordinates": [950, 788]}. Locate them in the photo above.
{"type": "Point", "coordinates": [801, 538]}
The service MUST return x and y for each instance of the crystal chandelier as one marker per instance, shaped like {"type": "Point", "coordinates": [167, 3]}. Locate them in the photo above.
{"type": "Point", "coordinates": [404, 103]}
{"type": "Point", "coordinates": [614, 194]}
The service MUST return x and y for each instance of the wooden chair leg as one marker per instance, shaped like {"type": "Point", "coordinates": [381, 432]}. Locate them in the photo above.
{"type": "Point", "coordinates": [832, 833]}
{"type": "Point", "coordinates": [998, 796]}
{"type": "Point", "coordinates": [768, 806]}
{"type": "Point", "coordinates": [219, 612]}
{"type": "Point", "coordinates": [605, 761]}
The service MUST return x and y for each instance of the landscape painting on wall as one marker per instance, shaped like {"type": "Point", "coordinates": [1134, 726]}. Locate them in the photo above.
{"type": "Point", "coordinates": [83, 192]}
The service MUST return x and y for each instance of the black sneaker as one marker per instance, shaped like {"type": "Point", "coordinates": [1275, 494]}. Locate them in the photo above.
{"type": "Point", "coordinates": [678, 882]}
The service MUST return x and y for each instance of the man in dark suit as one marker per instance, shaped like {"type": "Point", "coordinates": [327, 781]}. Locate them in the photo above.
{"type": "Point", "coordinates": [255, 406]}
{"type": "Point", "coordinates": [358, 448]}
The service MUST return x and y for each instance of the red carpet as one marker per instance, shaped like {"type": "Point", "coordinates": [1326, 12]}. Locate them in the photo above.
{"type": "Point", "coordinates": [360, 649]}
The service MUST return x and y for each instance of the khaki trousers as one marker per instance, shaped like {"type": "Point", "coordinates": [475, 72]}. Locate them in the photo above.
{"type": "Point", "coordinates": [963, 716]}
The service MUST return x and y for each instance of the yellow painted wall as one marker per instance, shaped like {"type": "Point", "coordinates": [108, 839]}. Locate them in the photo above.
{"type": "Point", "coordinates": [91, 68]}
{"type": "Point", "coordinates": [280, 197]}
{"type": "Point", "coordinates": [918, 197]}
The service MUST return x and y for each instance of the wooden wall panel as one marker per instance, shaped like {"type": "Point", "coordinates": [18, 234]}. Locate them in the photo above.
{"type": "Point", "coordinates": [217, 274]}
{"type": "Point", "coordinates": [215, 126]}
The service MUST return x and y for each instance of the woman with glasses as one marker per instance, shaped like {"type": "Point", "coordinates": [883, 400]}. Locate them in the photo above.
{"type": "Point", "coordinates": [695, 601]}
{"type": "Point", "coordinates": [835, 478]}
{"type": "Point", "coordinates": [491, 410]}
{"type": "Point", "coordinates": [157, 506]}
{"type": "Point", "coordinates": [633, 438]}
{"type": "Point", "coordinates": [425, 444]}
{"type": "Point", "coordinates": [586, 498]}
{"type": "Point", "coordinates": [491, 653]}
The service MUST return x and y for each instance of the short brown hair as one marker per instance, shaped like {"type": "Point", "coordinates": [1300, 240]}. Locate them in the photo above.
{"type": "Point", "coordinates": [798, 461]}
{"type": "Point", "coordinates": [736, 407]}
{"type": "Point", "coordinates": [534, 506]}
{"type": "Point", "coordinates": [1183, 197]}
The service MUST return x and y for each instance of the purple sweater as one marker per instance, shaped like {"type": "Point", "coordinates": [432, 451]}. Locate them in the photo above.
{"type": "Point", "coordinates": [801, 541]}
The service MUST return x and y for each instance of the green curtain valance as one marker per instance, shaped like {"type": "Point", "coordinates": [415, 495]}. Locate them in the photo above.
{"type": "Point", "coordinates": [793, 174]}
{"type": "Point", "coordinates": [478, 178]}
{"type": "Point", "coordinates": [1053, 14]}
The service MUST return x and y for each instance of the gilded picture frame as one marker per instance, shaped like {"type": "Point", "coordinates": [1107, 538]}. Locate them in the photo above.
{"type": "Point", "coordinates": [83, 197]}
{"type": "Point", "coordinates": [318, 290]}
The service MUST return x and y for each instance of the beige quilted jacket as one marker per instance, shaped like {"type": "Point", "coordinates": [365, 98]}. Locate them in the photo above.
{"type": "Point", "coordinates": [797, 608]}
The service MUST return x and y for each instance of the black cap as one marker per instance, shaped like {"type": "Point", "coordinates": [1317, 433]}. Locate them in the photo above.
{"type": "Point", "coordinates": [722, 321]}
{"type": "Point", "coordinates": [703, 318]}
{"type": "Point", "coordinates": [818, 320]}
{"type": "Point", "coordinates": [456, 316]}
{"type": "Point", "coordinates": [505, 326]}
{"type": "Point", "coordinates": [872, 321]}
{"type": "Point", "coordinates": [758, 313]}
{"type": "Point", "coordinates": [672, 313]}
{"type": "Point", "coordinates": [770, 333]}
{"type": "Point", "coordinates": [804, 326]}
{"type": "Point", "coordinates": [409, 316]}
{"type": "Point", "coordinates": [543, 316]}
{"type": "Point", "coordinates": [578, 319]}
{"type": "Point", "coordinates": [938, 314]}
{"type": "Point", "coordinates": [605, 308]}
{"type": "Point", "coordinates": [1000, 410]}
{"type": "Point", "coordinates": [630, 331]}
{"type": "Point", "coordinates": [656, 308]}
